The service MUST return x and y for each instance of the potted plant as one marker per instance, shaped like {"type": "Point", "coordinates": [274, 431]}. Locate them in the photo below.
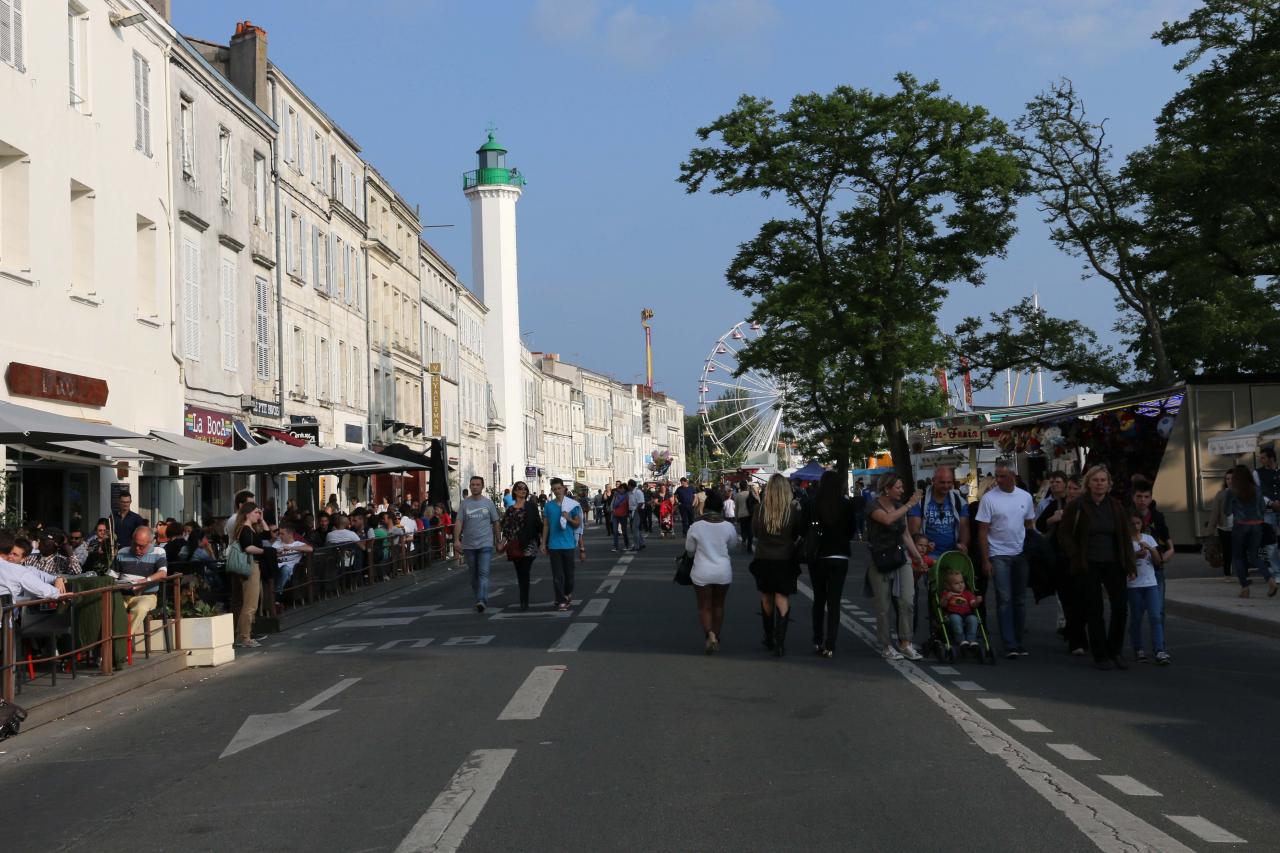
{"type": "Point", "coordinates": [207, 634]}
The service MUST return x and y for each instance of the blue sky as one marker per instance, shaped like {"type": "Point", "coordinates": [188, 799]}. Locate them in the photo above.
{"type": "Point", "coordinates": [598, 101]}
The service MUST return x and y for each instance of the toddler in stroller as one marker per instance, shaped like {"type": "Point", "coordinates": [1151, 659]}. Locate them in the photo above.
{"type": "Point", "coordinates": [957, 605]}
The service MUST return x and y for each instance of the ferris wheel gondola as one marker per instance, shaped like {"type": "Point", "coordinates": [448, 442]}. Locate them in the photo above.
{"type": "Point", "coordinates": [741, 411]}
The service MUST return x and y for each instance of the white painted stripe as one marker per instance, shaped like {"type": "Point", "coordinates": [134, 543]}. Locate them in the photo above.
{"type": "Point", "coordinates": [995, 704]}
{"type": "Point", "coordinates": [455, 810]}
{"type": "Point", "coordinates": [968, 685]}
{"type": "Point", "coordinates": [945, 670]}
{"type": "Point", "coordinates": [1032, 726]}
{"type": "Point", "coordinates": [533, 614]}
{"type": "Point", "coordinates": [617, 571]}
{"type": "Point", "coordinates": [528, 701]}
{"type": "Point", "coordinates": [573, 636]}
{"type": "Point", "coordinates": [1207, 831]}
{"type": "Point", "coordinates": [1071, 752]}
{"type": "Point", "coordinates": [376, 623]}
{"type": "Point", "coordinates": [867, 619]}
{"type": "Point", "coordinates": [388, 611]}
{"type": "Point", "coordinates": [1129, 785]}
{"type": "Point", "coordinates": [594, 607]}
{"type": "Point", "coordinates": [1108, 825]}
{"type": "Point", "coordinates": [607, 585]}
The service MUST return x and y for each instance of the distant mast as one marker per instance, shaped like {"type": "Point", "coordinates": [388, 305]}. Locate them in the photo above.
{"type": "Point", "coordinates": [646, 315]}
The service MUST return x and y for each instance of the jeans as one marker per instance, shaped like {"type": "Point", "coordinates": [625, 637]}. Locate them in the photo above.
{"type": "Point", "coordinates": [636, 532]}
{"type": "Point", "coordinates": [1148, 600]}
{"type": "Point", "coordinates": [1270, 518]}
{"type": "Point", "coordinates": [562, 572]}
{"type": "Point", "coordinates": [882, 589]}
{"type": "Point", "coordinates": [620, 527]}
{"type": "Point", "coordinates": [479, 559]}
{"type": "Point", "coordinates": [827, 575]}
{"type": "Point", "coordinates": [686, 517]}
{"type": "Point", "coordinates": [1104, 640]}
{"type": "Point", "coordinates": [286, 574]}
{"type": "Point", "coordinates": [1010, 574]}
{"type": "Point", "coordinates": [963, 627]}
{"type": "Point", "coordinates": [1246, 541]}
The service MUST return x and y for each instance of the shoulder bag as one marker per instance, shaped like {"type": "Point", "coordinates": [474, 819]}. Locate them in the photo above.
{"type": "Point", "coordinates": [684, 569]}
{"type": "Point", "coordinates": [889, 559]}
{"type": "Point", "coordinates": [238, 562]}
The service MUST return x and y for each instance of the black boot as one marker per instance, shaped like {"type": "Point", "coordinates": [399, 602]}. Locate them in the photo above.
{"type": "Point", "coordinates": [767, 619]}
{"type": "Point", "coordinates": [780, 633]}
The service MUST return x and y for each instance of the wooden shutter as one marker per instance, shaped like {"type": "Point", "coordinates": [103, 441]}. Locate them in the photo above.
{"type": "Point", "coordinates": [6, 31]}
{"type": "Point", "coordinates": [317, 282]}
{"type": "Point", "coordinates": [230, 358]}
{"type": "Point", "coordinates": [190, 299]}
{"type": "Point", "coordinates": [138, 76]}
{"type": "Point", "coordinates": [262, 328]}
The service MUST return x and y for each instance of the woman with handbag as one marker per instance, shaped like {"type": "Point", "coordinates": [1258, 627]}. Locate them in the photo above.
{"type": "Point", "coordinates": [246, 589]}
{"type": "Point", "coordinates": [830, 515]}
{"type": "Point", "coordinates": [775, 524]}
{"type": "Point", "coordinates": [1247, 509]}
{"type": "Point", "coordinates": [708, 542]}
{"type": "Point", "coordinates": [892, 554]}
{"type": "Point", "coordinates": [521, 534]}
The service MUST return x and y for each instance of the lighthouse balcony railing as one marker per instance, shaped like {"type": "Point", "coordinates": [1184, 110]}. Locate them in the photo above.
{"type": "Point", "coordinates": [477, 177]}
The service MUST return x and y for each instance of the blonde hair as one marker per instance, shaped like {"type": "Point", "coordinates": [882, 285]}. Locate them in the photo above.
{"type": "Point", "coordinates": [1097, 469]}
{"type": "Point", "coordinates": [777, 504]}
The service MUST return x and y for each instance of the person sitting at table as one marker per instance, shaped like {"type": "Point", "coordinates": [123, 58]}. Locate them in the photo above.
{"type": "Point", "coordinates": [24, 583]}
{"type": "Point", "coordinates": [289, 550]}
{"type": "Point", "coordinates": [55, 556]}
{"type": "Point", "coordinates": [141, 561]}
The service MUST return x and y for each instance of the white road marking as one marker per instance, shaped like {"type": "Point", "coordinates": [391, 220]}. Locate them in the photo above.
{"type": "Point", "coordinates": [594, 607]}
{"type": "Point", "coordinates": [420, 643]}
{"type": "Point", "coordinates": [533, 614]}
{"type": "Point", "coordinates": [1129, 785]}
{"type": "Point", "coordinates": [259, 728]}
{"type": "Point", "coordinates": [1071, 752]}
{"type": "Point", "coordinates": [945, 670]}
{"type": "Point", "coordinates": [867, 619]}
{"type": "Point", "coordinates": [455, 810]}
{"type": "Point", "coordinates": [1032, 726]}
{"type": "Point", "coordinates": [481, 640]}
{"type": "Point", "coordinates": [995, 704]}
{"type": "Point", "coordinates": [528, 701]}
{"type": "Point", "coordinates": [607, 585]}
{"type": "Point", "coordinates": [399, 611]}
{"type": "Point", "coordinates": [1110, 827]}
{"type": "Point", "coordinates": [617, 571]}
{"type": "Point", "coordinates": [385, 622]}
{"type": "Point", "coordinates": [968, 685]}
{"type": "Point", "coordinates": [573, 636]}
{"type": "Point", "coordinates": [1206, 830]}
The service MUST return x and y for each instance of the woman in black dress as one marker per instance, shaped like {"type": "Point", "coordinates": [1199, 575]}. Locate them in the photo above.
{"type": "Point", "coordinates": [521, 534]}
{"type": "Point", "coordinates": [776, 524]}
{"type": "Point", "coordinates": [832, 513]}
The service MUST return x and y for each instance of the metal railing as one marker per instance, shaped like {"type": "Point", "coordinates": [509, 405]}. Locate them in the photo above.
{"type": "Point", "coordinates": [479, 177]}
{"type": "Point", "coordinates": [42, 620]}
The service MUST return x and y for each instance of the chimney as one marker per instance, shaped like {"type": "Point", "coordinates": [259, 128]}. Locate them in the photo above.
{"type": "Point", "coordinates": [247, 66]}
{"type": "Point", "coordinates": [164, 8]}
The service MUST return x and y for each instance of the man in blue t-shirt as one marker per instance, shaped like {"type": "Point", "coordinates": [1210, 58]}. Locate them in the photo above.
{"type": "Point", "coordinates": [942, 516]}
{"type": "Point", "coordinates": [562, 517]}
{"type": "Point", "coordinates": [684, 500]}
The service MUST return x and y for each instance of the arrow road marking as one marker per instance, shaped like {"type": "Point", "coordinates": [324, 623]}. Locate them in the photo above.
{"type": "Point", "coordinates": [259, 728]}
{"type": "Point", "coordinates": [608, 585]}
{"type": "Point", "coordinates": [445, 825]}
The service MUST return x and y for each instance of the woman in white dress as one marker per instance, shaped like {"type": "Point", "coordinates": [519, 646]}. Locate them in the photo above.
{"type": "Point", "coordinates": [709, 541]}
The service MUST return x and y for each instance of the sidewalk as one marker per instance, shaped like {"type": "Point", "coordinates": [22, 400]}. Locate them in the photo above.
{"type": "Point", "coordinates": [1193, 595]}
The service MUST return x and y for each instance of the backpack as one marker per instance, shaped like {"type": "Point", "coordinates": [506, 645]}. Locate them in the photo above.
{"type": "Point", "coordinates": [11, 717]}
{"type": "Point", "coordinates": [238, 562]}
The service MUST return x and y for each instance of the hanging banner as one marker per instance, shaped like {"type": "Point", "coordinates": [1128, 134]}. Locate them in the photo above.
{"type": "Point", "coordinates": [208, 426]}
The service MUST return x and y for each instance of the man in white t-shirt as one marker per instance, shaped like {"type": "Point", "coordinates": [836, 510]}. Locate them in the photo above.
{"type": "Point", "coordinates": [1004, 516]}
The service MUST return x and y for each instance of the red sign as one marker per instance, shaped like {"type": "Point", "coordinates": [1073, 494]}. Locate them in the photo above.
{"type": "Point", "coordinates": [209, 426]}
{"type": "Point", "coordinates": [27, 380]}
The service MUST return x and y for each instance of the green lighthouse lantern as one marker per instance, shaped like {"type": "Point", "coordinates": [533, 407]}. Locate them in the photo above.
{"type": "Point", "coordinates": [492, 169]}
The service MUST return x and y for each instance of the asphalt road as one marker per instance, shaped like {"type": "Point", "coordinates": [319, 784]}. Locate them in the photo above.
{"type": "Point", "coordinates": [413, 723]}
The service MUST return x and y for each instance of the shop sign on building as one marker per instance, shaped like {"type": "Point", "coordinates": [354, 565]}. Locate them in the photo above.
{"type": "Point", "coordinates": [944, 436]}
{"type": "Point", "coordinates": [28, 380]}
{"type": "Point", "coordinates": [265, 408]}
{"type": "Point", "coordinates": [208, 426]}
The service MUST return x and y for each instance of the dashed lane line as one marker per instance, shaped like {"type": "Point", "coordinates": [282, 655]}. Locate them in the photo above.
{"type": "Point", "coordinates": [1206, 830]}
{"type": "Point", "coordinates": [571, 639]}
{"type": "Point", "coordinates": [617, 571]}
{"type": "Point", "coordinates": [1111, 827]}
{"type": "Point", "coordinates": [995, 704]}
{"type": "Point", "coordinates": [608, 585]}
{"type": "Point", "coordinates": [1031, 726]}
{"type": "Point", "coordinates": [1129, 785]}
{"type": "Point", "coordinates": [1071, 752]}
{"type": "Point", "coordinates": [594, 607]}
{"type": "Point", "coordinates": [444, 826]}
{"type": "Point", "coordinates": [971, 686]}
{"type": "Point", "coordinates": [945, 670]}
{"type": "Point", "coordinates": [529, 700]}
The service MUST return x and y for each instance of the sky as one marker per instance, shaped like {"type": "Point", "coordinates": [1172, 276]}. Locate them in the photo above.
{"type": "Point", "coordinates": [598, 102]}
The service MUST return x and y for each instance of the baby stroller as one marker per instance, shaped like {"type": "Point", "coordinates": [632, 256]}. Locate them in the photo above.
{"type": "Point", "coordinates": [944, 646]}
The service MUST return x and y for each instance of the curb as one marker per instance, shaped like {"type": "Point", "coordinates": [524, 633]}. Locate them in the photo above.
{"type": "Point", "coordinates": [108, 687]}
{"type": "Point", "coordinates": [1222, 618]}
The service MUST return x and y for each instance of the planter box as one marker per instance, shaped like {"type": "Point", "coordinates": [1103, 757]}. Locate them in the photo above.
{"type": "Point", "coordinates": [207, 640]}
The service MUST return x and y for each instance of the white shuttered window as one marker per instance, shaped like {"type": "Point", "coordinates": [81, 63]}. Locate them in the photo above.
{"type": "Point", "coordinates": [227, 276]}
{"type": "Point", "coordinates": [11, 33]}
{"type": "Point", "coordinates": [141, 100]}
{"type": "Point", "coordinates": [190, 299]}
{"type": "Point", "coordinates": [262, 328]}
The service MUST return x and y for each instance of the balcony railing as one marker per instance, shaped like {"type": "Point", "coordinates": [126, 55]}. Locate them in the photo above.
{"type": "Point", "coordinates": [478, 177]}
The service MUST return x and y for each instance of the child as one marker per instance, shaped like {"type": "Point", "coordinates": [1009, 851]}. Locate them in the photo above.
{"type": "Point", "coordinates": [957, 605]}
{"type": "Point", "coordinates": [667, 516]}
{"type": "Point", "coordinates": [925, 546]}
{"type": "Point", "coordinates": [1144, 594]}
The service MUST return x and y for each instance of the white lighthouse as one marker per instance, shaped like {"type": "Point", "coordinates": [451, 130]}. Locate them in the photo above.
{"type": "Point", "coordinates": [494, 190]}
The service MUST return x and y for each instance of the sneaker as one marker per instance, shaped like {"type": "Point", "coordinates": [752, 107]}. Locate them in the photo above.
{"type": "Point", "coordinates": [1140, 656]}
{"type": "Point", "coordinates": [479, 606]}
{"type": "Point", "coordinates": [614, 550]}
{"type": "Point", "coordinates": [248, 644]}
{"type": "Point", "coordinates": [909, 652]}
{"type": "Point", "coordinates": [1078, 651]}
{"type": "Point", "coordinates": [1010, 654]}
{"type": "Point", "coordinates": [1022, 652]}
{"type": "Point", "coordinates": [1162, 658]}
{"type": "Point", "coordinates": [890, 653]}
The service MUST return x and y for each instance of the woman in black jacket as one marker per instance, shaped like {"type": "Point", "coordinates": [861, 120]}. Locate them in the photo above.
{"type": "Point", "coordinates": [832, 513]}
{"type": "Point", "coordinates": [521, 535]}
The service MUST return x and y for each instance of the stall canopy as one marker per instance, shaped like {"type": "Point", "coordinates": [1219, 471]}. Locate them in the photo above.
{"type": "Point", "coordinates": [174, 448]}
{"type": "Point", "coordinates": [408, 454]}
{"type": "Point", "coordinates": [367, 462]}
{"type": "Point", "coordinates": [810, 472]}
{"type": "Point", "coordinates": [24, 425]}
{"type": "Point", "coordinates": [1246, 439]}
{"type": "Point", "coordinates": [274, 457]}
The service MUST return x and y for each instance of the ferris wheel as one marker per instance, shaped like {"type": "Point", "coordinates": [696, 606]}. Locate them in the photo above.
{"type": "Point", "coordinates": [739, 413]}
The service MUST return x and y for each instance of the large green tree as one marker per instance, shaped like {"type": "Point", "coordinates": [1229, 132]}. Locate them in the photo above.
{"type": "Point", "coordinates": [894, 197]}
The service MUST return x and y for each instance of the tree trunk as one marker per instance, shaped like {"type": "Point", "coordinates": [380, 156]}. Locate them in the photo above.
{"type": "Point", "coordinates": [842, 460]}
{"type": "Point", "coordinates": [900, 448]}
{"type": "Point", "coordinates": [1163, 372]}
